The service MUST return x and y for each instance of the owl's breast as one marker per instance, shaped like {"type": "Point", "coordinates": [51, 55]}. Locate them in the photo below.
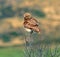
{"type": "Point", "coordinates": [28, 30]}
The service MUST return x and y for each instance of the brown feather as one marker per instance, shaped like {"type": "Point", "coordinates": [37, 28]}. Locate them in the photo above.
{"type": "Point", "coordinates": [31, 23]}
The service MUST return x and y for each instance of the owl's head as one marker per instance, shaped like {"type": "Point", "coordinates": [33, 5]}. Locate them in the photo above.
{"type": "Point", "coordinates": [27, 15]}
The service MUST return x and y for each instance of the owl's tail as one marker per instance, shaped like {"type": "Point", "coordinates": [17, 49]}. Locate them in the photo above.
{"type": "Point", "coordinates": [36, 29]}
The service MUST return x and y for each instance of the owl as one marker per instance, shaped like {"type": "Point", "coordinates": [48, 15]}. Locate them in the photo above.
{"type": "Point", "coordinates": [30, 23]}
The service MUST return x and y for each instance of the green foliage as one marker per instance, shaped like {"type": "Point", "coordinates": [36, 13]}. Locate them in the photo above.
{"type": "Point", "coordinates": [6, 38]}
{"type": "Point", "coordinates": [34, 12]}
{"type": "Point", "coordinates": [11, 52]}
{"type": "Point", "coordinates": [19, 52]}
{"type": "Point", "coordinates": [7, 12]}
{"type": "Point", "coordinates": [38, 13]}
{"type": "Point", "coordinates": [14, 33]}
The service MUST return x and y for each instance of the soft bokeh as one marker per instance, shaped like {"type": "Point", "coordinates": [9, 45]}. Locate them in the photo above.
{"type": "Point", "coordinates": [47, 12]}
{"type": "Point", "coordinates": [11, 18]}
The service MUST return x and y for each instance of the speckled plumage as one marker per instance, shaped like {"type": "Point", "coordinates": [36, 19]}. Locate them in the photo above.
{"type": "Point", "coordinates": [31, 23]}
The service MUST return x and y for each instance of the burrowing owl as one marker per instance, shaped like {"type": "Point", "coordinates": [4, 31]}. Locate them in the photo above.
{"type": "Point", "coordinates": [30, 23]}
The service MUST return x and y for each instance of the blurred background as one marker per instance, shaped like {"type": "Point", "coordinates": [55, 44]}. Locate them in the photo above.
{"type": "Point", "coordinates": [47, 12]}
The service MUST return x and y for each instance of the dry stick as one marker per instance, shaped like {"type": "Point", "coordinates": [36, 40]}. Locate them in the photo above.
{"type": "Point", "coordinates": [31, 47]}
{"type": "Point", "coordinates": [40, 47]}
{"type": "Point", "coordinates": [28, 46]}
{"type": "Point", "coordinates": [26, 42]}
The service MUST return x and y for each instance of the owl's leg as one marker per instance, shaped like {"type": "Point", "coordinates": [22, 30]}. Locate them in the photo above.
{"type": "Point", "coordinates": [31, 32]}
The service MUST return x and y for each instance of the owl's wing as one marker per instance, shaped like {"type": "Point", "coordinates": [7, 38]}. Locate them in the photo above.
{"type": "Point", "coordinates": [33, 21]}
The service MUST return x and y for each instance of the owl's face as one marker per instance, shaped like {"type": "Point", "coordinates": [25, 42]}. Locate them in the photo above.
{"type": "Point", "coordinates": [27, 15]}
